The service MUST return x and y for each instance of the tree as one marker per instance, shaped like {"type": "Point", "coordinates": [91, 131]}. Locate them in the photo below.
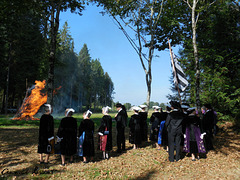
{"type": "Point", "coordinates": [145, 19]}
{"type": "Point", "coordinates": [194, 21]}
{"type": "Point", "coordinates": [52, 12]}
{"type": "Point", "coordinates": [218, 45]}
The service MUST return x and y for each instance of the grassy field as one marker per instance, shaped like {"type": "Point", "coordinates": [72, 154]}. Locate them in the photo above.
{"type": "Point", "coordinates": [19, 158]}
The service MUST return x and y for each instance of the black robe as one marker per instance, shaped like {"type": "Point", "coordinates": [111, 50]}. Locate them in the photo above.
{"type": "Point", "coordinates": [174, 128]}
{"type": "Point", "coordinates": [135, 136]}
{"type": "Point", "coordinates": [106, 122]}
{"type": "Point", "coordinates": [87, 126]}
{"type": "Point", "coordinates": [68, 131]}
{"type": "Point", "coordinates": [144, 125]}
{"type": "Point", "coordinates": [46, 130]}
{"type": "Point", "coordinates": [121, 123]}
{"type": "Point", "coordinates": [155, 120]}
{"type": "Point", "coordinates": [207, 126]}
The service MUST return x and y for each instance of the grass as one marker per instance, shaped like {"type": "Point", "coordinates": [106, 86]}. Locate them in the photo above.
{"type": "Point", "coordinates": [18, 158]}
{"type": "Point", "coordinates": [6, 120]}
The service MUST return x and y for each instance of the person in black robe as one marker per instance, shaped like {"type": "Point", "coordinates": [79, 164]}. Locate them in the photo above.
{"type": "Point", "coordinates": [105, 133]}
{"type": "Point", "coordinates": [46, 133]}
{"type": "Point", "coordinates": [144, 125]}
{"type": "Point", "coordinates": [193, 139]}
{"type": "Point", "coordinates": [87, 126]}
{"type": "Point", "coordinates": [135, 133]}
{"type": "Point", "coordinates": [174, 127]}
{"type": "Point", "coordinates": [121, 122]}
{"type": "Point", "coordinates": [207, 126]}
{"type": "Point", "coordinates": [155, 120]}
{"type": "Point", "coordinates": [67, 136]}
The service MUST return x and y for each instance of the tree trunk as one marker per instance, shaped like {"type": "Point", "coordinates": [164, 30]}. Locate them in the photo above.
{"type": "Point", "coordinates": [8, 77]}
{"type": "Point", "coordinates": [54, 29]}
{"type": "Point", "coordinates": [195, 52]}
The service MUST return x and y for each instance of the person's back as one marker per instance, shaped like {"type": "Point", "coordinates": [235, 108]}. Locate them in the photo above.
{"type": "Point", "coordinates": [174, 121]}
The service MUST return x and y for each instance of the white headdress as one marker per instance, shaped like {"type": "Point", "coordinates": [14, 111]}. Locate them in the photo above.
{"type": "Point", "coordinates": [136, 108]}
{"type": "Point", "coordinates": [156, 107]}
{"type": "Point", "coordinates": [183, 106]}
{"type": "Point", "coordinates": [143, 106]}
{"type": "Point", "coordinates": [70, 110]}
{"type": "Point", "coordinates": [49, 107]}
{"type": "Point", "coordinates": [87, 113]}
{"type": "Point", "coordinates": [105, 109]}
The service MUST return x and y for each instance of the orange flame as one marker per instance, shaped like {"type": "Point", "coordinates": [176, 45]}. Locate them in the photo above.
{"type": "Point", "coordinates": [32, 103]}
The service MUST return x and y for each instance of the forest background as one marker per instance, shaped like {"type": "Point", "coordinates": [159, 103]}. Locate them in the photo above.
{"type": "Point", "coordinates": [25, 41]}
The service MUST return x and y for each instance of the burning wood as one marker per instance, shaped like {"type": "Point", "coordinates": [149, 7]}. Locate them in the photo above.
{"type": "Point", "coordinates": [33, 100]}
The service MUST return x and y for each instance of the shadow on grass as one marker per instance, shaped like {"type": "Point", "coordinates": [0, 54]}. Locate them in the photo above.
{"type": "Point", "coordinates": [226, 142]}
{"type": "Point", "coordinates": [146, 176]}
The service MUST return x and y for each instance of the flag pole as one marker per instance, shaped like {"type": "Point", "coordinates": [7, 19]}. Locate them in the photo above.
{"type": "Point", "coordinates": [175, 72]}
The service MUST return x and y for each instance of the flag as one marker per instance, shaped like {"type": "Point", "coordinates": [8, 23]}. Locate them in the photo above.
{"type": "Point", "coordinates": [179, 77]}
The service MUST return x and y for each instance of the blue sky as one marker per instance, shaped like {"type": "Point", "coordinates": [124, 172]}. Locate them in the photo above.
{"type": "Point", "coordinates": [108, 44]}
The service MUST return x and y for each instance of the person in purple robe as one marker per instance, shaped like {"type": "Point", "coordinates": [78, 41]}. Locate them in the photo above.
{"type": "Point", "coordinates": [193, 139]}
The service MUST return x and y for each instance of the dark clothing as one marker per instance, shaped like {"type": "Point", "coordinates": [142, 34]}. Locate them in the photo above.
{"type": "Point", "coordinates": [155, 120]}
{"type": "Point", "coordinates": [106, 123]}
{"type": "Point", "coordinates": [135, 136]}
{"type": "Point", "coordinates": [144, 125]}
{"type": "Point", "coordinates": [46, 130]}
{"type": "Point", "coordinates": [121, 121]}
{"type": "Point", "coordinates": [87, 126]}
{"type": "Point", "coordinates": [68, 131]}
{"type": "Point", "coordinates": [207, 126]}
{"type": "Point", "coordinates": [174, 128]}
{"type": "Point", "coordinates": [192, 143]}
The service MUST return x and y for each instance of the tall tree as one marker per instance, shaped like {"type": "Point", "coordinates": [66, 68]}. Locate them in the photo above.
{"type": "Point", "coordinates": [195, 12]}
{"type": "Point", "coordinates": [53, 9]}
{"type": "Point", "coordinates": [147, 19]}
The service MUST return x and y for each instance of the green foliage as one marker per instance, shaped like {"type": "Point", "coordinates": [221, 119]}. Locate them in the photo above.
{"type": "Point", "coordinates": [218, 43]}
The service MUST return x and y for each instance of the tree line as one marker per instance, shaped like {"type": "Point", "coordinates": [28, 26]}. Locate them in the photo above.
{"type": "Point", "coordinates": [25, 37]}
{"type": "Point", "coordinates": [207, 31]}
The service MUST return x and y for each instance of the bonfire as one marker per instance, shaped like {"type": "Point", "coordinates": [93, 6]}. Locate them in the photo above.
{"type": "Point", "coordinates": [32, 102]}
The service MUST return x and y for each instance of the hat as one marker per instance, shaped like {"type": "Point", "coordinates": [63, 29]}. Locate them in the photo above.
{"type": "Point", "coordinates": [184, 106]}
{"type": "Point", "coordinates": [136, 108]}
{"type": "Point", "coordinates": [156, 107]}
{"type": "Point", "coordinates": [105, 109]}
{"type": "Point", "coordinates": [191, 109]}
{"type": "Point", "coordinates": [87, 114]}
{"type": "Point", "coordinates": [69, 110]}
{"type": "Point", "coordinates": [49, 107]}
{"type": "Point", "coordinates": [175, 104]}
{"type": "Point", "coordinates": [143, 106]}
{"type": "Point", "coordinates": [118, 105]}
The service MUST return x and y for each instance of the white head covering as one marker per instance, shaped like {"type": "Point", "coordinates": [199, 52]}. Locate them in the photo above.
{"type": "Point", "coordinates": [49, 107]}
{"type": "Point", "coordinates": [70, 110]}
{"type": "Point", "coordinates": [156, 107]}
{"type": "Point", "coordinates": [105, 109]}
{"type": "Point", "coordinates": [87, 113]}
{"type": "Point", "coordinates": [191, 109]}
{"type": "Point", "coordinates": [183, 106]}
{"type": "Point", "coordinates": [136, 108]}
{"type": "Point", "coordinates": [143, 106]}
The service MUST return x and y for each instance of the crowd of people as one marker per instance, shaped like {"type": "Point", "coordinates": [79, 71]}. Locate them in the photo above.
{"type": "Point", "coordinates": [178, 128]}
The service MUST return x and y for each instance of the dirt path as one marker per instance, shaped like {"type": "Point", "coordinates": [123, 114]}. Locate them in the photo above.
{"type": "Point", "coordinates": [19, 160]}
